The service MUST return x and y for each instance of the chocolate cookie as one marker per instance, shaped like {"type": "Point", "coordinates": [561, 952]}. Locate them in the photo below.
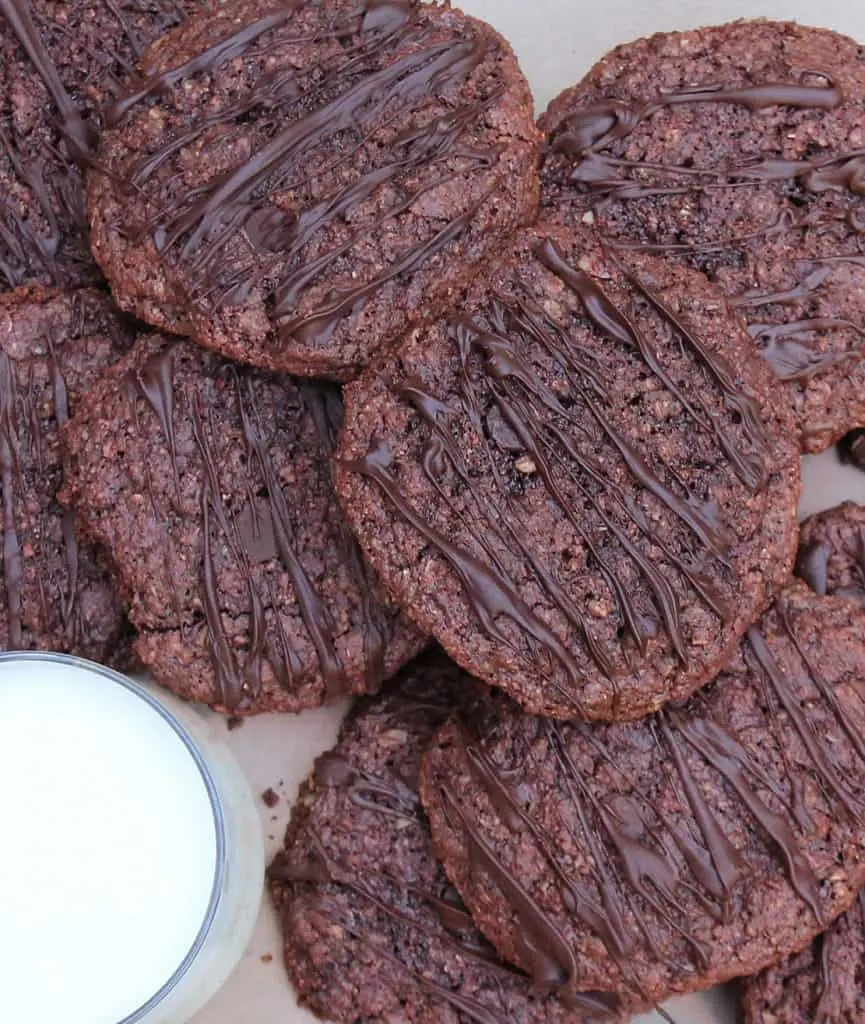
{"type": "Point", "coordinates": [56, 593]}
{"type": "Point", "coordinates": [831, 556]}
{"type": "Point", "coordinates": [59, 62]}
{"type": "Point", "coordinates": [373, 929]}
{"type": "Point", "coordinates": [210, 485]}
{"type": "Point", "coordinates": [823, 985]}
{"type": "Point", "coordinates": [737, 150]}
{"type": "Point", "coordinates": [297, 185]}
{"type": "Point", "coordinates": [667, 855]}
{"type": "Point", "coordinates": [579, 481]}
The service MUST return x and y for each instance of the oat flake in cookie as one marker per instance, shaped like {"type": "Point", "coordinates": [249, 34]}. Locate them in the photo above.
{"type": "Point", "coordinates": [210, 485]}
{"type": "Point", "coordinates": [825, 984]}
{"type": "Point", "coordinates": [578, 481]}
{"type": "Point", "coordinates": [56, 594]}
{"type": "Point", "coordinates": [59, 62]}
{"type": "Point", "coordinates": [373, 930]}
{"type": "Point", "coordinates": [296, 185]}
{"type": "Point", "coordinates": [738, 150]}
{"type": "Point", "coordinates": [671, 854]}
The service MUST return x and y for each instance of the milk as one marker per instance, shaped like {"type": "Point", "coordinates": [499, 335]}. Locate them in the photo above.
{"type": "Point", "coordinates": [113, 848]}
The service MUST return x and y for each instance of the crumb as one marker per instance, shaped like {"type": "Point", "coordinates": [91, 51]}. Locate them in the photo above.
{"type": "Point", "coordinates": [270, 798]}
{"type": "Point", "coordinates": [852, 449]}
{"type": "Point", "coordinates": [234, 722]}
{"type": "Point", "coordinates": [266, 958]}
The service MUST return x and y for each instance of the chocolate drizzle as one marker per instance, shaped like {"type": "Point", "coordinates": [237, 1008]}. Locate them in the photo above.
{"type": "Point", "coordinates": [324, 404]}
{"type": "Point", "coordinates": [812, 565]}
{"type": "Point", "coordinates": [258, 532]}
{"type": "Point", "coordinates": [76, 131]}
{"type": "Point", "coordinates": [56, 595]}
{"type": "Point", "coordinates": [838, 990]}
{"type": "Point", "coordinates": [561, 434]}
{"type": "Point", "coordinates": [70, 607]}
{"type": "Point", "coordinates": [9, 473]}
{"type": "Point", "coordinates": [312, 610]}
{"type": "Point", "coordinates": [592, 144]}
{"type": "Point", "coordinates": [235, 234]}
{"type": "Point", "coordinates": [633, 866]}
{"type": "Point", "coordinates": [43, 208]}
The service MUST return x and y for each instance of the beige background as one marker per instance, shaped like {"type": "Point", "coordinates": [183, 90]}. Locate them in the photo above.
{"type": "Point", "coordinates": [557, 41]}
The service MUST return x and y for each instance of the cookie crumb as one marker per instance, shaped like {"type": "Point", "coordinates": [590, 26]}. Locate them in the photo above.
{"type": "Point", "coordinates": [851, 449]}
{"type": "Point", "coordinates": [270, 797]}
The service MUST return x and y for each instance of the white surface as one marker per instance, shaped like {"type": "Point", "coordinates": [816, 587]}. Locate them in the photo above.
{"type": "Point", "coordinates": [109, 847]}
{"type": "Point", "coordinates": [556, 41]}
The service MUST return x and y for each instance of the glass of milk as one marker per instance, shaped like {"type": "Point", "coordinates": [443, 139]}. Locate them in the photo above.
{"type": "Point", "coordinates": [131, 859]}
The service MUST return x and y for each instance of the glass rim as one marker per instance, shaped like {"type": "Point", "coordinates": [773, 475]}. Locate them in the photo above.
{"type": "Point", "coordinates": [210, 786]}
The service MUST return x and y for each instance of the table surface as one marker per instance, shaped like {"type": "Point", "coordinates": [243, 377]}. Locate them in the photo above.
{"type": "Point", "coordinates": [556, 41]}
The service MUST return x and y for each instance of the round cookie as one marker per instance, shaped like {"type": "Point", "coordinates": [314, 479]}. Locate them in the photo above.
{"type": "Point", "coordinates": [831, 556]}
{"type": "Point", "coordinates": [210, 485]}
{"type": "Point", "coordinates": [59, 62]}
{"type": "Point", "coordinates": [373, 930]}
{"type": "Point", "coordinates": [56, 594]}
{"type": "Point", "coordinates": [737, 150]}
{"type": "Point", "coordinates": [579, 482]}
{"type": "Point", "coordinates": [825, 984]}
{"type": "Point", "coordinates": [671, 854]}
{"type": "Point", "coordinates": [297, 185]}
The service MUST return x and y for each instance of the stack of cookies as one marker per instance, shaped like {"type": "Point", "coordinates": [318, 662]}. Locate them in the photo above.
{"type": "Point", "coordinates": [324, 371]}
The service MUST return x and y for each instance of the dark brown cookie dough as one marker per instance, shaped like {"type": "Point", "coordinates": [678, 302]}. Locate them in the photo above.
{"type": "Point", "coordinates": [831, 556]}
{"type": "Point", "coordinates": [211, 487]}
{"type": "Point", "coordinates": [825, 984]}
{"type": "Point", "coordinates": [579, 482]}
{"type": "Point", "coordinates": [60, 60]}
{"type": "Point", "coordinates": [297, 185]}
{"type": "Point", "coordinates": [373, 929]}
{"type": "Point", "coordinates": [665, 856]}
{"type": "Point", "coordinates": [737, 150]}
{"type": "Point", "coordinates": [56, 593]}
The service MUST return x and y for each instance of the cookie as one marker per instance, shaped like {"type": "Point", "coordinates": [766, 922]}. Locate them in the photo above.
{"type": "Point", "coordinates": [831, 556]}
{"type": "Point", "coordinates": [210, 486]}
{"type": "Point", "coordinates": [736, 150]}
{"type": "Point", "coordinates": [57, 594]}
{"type": "Point", "coordinates": [297, 185]}
{"type": "Point", "coordinates": [668, 855]}
{"type": "Point", "coordinates": [59, 62]}
{"type": "Point", "coordinates": [825, 984]}
{"type": "Point", "coordinates": [373, 930]}
{"type": "Point", "coordinates": [579, 481]}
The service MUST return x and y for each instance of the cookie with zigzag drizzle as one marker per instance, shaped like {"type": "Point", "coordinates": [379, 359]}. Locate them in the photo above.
{"type": "Point", "coordinates": [579, 480]}
{"type": "Point", "coordinates": [210, 485]}
{"type": "Point", "coordinates": [702, 843]}
{"type": "Point", "coordinates": [736, 150]}
{"type": "Point", "coordinates": [296, 184]}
